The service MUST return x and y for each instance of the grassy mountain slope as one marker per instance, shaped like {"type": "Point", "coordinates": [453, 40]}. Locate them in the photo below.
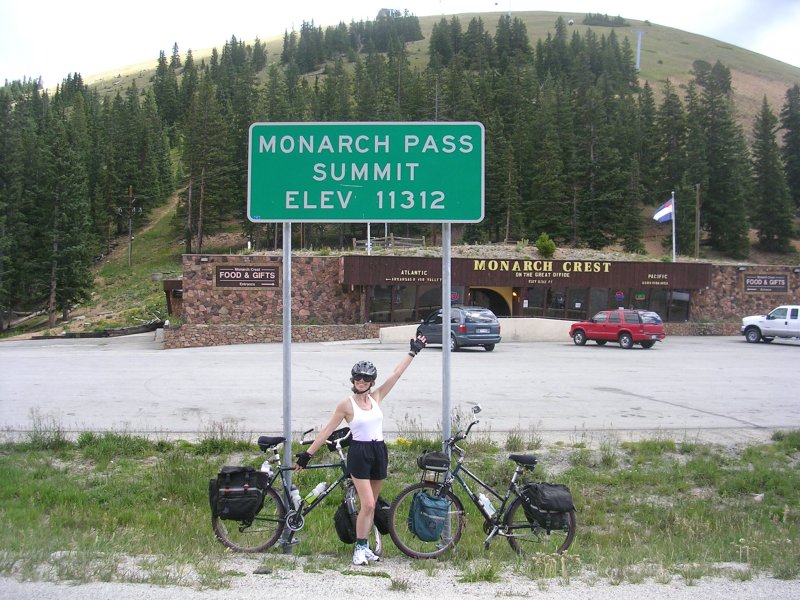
{"type": "Point", "coordinates": [666, 53]}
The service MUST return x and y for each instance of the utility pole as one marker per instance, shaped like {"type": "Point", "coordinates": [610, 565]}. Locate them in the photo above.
{"type": "Point", "coordinates": [697, 221]}
{"type": "Point", "coordinates": [130, 210]}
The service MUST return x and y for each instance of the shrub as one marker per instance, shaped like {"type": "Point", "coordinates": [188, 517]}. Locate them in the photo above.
{"type": "Point", "coordinates": [546, 246]}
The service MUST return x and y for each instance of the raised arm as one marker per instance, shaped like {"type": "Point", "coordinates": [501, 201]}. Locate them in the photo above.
{"type": "Point", "coordinates": [384, 388]}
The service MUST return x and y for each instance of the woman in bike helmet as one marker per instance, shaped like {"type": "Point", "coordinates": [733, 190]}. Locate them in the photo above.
{"type": "Point", "coordinates": [367, 458]}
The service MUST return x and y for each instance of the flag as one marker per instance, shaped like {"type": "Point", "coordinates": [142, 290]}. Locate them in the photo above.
{"type": "Point", "coordinates": [664, 212]}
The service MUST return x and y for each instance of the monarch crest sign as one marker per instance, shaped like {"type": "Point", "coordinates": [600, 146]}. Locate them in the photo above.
{"type": "Point", "coordinates": [366, 172]}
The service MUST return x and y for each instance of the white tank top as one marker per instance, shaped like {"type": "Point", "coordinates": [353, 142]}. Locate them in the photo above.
{"type": "Point", "coordinates": [367, 425]}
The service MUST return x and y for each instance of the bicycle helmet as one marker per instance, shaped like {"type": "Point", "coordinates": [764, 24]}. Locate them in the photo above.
{"type": "Point", "coordinates": [364, 367]}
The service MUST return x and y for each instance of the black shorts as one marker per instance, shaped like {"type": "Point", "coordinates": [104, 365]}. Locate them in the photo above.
{"type": "Point", "coordinates": [368, 460]}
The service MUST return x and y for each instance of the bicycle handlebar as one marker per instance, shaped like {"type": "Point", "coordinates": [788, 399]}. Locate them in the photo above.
{"type": "Point", "coordinates": [451, 443]}
{"type": "Point", "coordinates": [336, 442]}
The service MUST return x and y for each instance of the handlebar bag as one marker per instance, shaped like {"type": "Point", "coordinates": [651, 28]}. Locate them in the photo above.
{"type": "Point", "coordinates": [237, 493]}
{"type": "Point", "coordinates": [342, 434]}
{"type": "Point", "coordinates": [433, 460]}
{"type": "Point", "coordinates": [427, 516]}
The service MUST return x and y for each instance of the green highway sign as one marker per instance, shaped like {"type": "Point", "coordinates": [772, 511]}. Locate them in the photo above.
{"type": "Point", "coordinates": [429, 172]}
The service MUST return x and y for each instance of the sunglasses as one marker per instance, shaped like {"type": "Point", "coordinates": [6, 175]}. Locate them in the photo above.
{"type": "Point", "coordinates": [361, 377]}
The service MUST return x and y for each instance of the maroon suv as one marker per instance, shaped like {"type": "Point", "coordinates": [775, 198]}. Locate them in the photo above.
{"type": "Point", "coordinates": [627, 327]}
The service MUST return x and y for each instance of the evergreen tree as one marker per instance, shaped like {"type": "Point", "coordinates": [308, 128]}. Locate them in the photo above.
{"type": "Point", "coordinates": [175, 59]}
{"type": "Point", "coordinates": [440, 45]}
{"type": "Point", "coordinates": [647, 146]}
{"type": "Point", "coordinates": [6, 240]}
{"type": "Point", "coordinates": [723, 215]}
{"type": "Point", "coordinates": [790, 122]}
{"type": "Point", "coordinates": [259, 60]}
{"type": "Point", "coordinates": [770, 206]}
{"type": "Point", "coordinates": [68, 248]}
{"type": "Point", "coordinates": [188, 84]}
{"type": "Point", "coordinates": [206, 165]}
{"type": "Point", "coordinates": [165, 87]}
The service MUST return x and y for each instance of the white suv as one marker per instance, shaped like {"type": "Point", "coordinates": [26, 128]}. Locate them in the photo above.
{"type": "Point", "coordinates": [783, 322]}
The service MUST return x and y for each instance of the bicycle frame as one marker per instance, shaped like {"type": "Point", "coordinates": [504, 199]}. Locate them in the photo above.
{"type": "Point", "coordinates": [304, 508]}
{"type": "Point", "coordinates": [421, 529]}
{"type": "Point", "coordinates": [495, 519]}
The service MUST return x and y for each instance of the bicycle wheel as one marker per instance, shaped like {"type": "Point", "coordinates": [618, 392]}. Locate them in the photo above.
{"type": "Point", "coordinates": [410, 543]}
{"type": "Point", "coordinates": [264, 531]}
{"type": "Point", "coordinates": [529, 537]}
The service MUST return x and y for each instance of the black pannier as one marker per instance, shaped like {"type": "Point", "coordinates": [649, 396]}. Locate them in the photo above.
{"type": "Point", "coordinates": [547, 504]}
{"type": "Point", "coordinates": [345, 524]}
{"type": "Point", "coordinates": [237, 493]}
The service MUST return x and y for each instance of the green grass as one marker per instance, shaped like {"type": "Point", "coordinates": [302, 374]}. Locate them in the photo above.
{"type": "Point", "coordinates": [130, 293]}
{"type": "Point", "coordinates": [118, 507]}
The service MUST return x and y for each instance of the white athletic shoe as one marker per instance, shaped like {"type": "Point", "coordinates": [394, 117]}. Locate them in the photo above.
{"type": "Point", "coordinates": [371, 556]}
{"type": "Point", "coordinates": [360, 555]}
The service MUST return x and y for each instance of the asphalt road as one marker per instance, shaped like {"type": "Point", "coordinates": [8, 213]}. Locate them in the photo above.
{"type": "Point", "coordinates": [713, 388]}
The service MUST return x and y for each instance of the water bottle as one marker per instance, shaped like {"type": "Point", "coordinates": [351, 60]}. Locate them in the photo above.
{"type": "Point", "coordinates": [266, 468]}
{"type": "Point", "coordinates": [294, 494]}
{"type": "Point", "coordinates": [315, 492]}
{"type": "Point", "coordinates": [486, 503]}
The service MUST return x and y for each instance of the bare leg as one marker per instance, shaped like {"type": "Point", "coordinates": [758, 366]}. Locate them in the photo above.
{"type": "Point", "coordinates": [368, 492]}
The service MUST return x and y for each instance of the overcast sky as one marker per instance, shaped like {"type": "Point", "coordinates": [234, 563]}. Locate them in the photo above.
{"type": "Point", "coordinates": [52, 39]}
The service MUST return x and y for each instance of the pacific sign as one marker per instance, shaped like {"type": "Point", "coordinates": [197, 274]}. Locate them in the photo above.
{"type": "Point", "coordinates": [366, 172]}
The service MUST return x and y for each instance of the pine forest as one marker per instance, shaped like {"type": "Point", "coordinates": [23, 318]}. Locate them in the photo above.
{"type": "Point", "coordinates": [577, 147]}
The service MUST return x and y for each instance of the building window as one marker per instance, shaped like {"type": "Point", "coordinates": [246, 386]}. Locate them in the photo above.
{"type": "Point", "coordinates": [535, 298]}
{"type": "Point", "coordinates": [380, 304]}
{"type": "Point", "coordinates": [679, 306]}
{"type": "Point", "coordinates": [598, 299]}
{"type": "Point", "coordinates": [576, 304]}
{"type": "Point", "coordinates": [556, 302]}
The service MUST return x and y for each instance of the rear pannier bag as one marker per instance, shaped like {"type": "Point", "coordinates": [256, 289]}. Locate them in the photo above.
{"type": "Point", "coordinates": [547, 504]}
{"type": "Point", "coordinates": [427, 516]}
{"type": "Point", "coordinates": [237, 493]}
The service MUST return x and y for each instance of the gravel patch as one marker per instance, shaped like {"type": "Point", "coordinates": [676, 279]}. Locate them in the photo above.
{"type": "Point", "coordinates": [400, 578]}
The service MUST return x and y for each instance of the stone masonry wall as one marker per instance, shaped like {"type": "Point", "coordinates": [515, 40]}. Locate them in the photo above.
{"type": "Point", "coordinates": [726, 301]}
{"type": "Point", "coordinates": [322, 308]}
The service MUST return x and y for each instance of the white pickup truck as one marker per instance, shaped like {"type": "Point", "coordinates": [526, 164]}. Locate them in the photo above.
{"type": "Point", "coordinates": [782, 322]}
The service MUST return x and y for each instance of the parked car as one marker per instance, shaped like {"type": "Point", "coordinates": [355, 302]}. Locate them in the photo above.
{"type": "Point", "coordinates": [626, 327]}
{"type": "Point", "coordinates": [469, 326]}
{"type": "Point", "coordinates": [782, 322]}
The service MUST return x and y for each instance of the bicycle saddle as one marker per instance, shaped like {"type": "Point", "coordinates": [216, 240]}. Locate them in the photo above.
{"type": "Point", "coordinates": [527, 460]}
{"type": "Point", "coordinates": [266, 442]}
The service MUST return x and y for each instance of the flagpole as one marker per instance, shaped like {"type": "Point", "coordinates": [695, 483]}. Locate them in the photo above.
{"type": "Point", "coordinates": [674, 214]}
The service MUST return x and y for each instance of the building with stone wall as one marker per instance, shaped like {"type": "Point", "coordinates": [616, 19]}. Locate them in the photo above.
{"type": "Point", "coordinates": [231, 299]}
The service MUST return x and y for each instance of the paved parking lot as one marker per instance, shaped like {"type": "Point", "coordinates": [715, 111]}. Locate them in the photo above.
{"type": "Point", "coordinates": [719, 388]}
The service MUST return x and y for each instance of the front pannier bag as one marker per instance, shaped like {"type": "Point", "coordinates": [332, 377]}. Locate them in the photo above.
{"type": "Point", "coordinates": [344, 522]}
{"type": "Point", "coordinates": [427, 516]}
{"type": "Point", "coordinates": [236, 494]}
